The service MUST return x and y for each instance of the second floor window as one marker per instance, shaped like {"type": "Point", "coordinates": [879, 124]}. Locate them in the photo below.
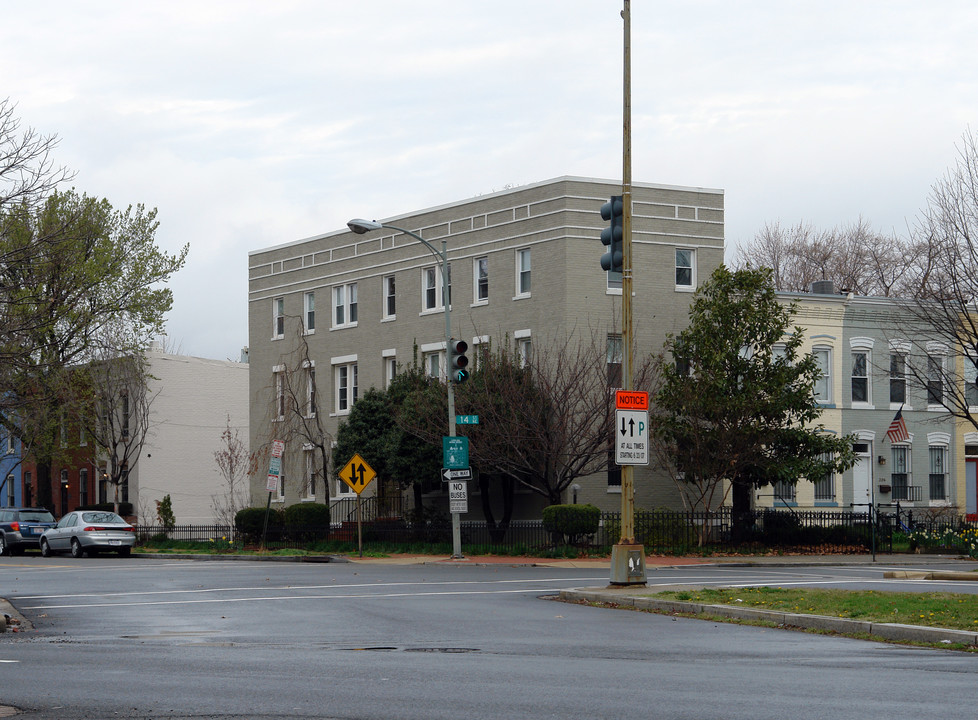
{"type": "Point", "coordinates": [935, 380]}
{"type": "Point", "coordinates": [823, 385]}
{"type": "Point", "coordinates": [310, 311]}
{"type": "Point", "coordinates": [970, 382]}
{"type": "Point", "coordinates": [346, 387]}
{"type": "Point", "coordinates": [523, 271]}
{"type": "Point", "coordinates": [431, 282]}
{"type": "Point", "coordinates": [684, 268]}
{"type": "Point", "coordinates": [860, 377]}
{"type": "Point", "coordinates": [278, 317]}
{"type": "Point", "coordinates": [481, 279]}
{"type": "Point", "coordinates": [345, 305]}
{"type": "Point", "coordinates": [390, 301]}
{"type": "Point", "coordinates": [898, 378]}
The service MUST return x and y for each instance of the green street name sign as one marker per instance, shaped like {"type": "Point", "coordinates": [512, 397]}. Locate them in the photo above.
{"type": "Point", "coordinates": [467, 419]}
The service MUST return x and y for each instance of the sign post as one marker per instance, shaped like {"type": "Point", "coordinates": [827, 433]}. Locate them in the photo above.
{"type": "Point", "coordinates": [271, 483]}
{"type": "Point", "coordinates": [358, 474]}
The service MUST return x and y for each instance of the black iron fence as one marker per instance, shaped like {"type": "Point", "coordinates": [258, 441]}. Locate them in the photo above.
{"type": "Point", "coordinates": [660, 531]}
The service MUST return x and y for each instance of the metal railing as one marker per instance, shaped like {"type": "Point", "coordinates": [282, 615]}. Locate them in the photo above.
{"type": "Point", "coordinates": [663, 531]}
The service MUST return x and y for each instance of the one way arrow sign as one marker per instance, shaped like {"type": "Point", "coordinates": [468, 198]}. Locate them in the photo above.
{"type": "Point", "coordinates": [632, 438]}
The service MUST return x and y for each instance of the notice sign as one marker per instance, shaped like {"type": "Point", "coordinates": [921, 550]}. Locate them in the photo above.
{"type": "Point", "coordinates": [631, 437]}
{"type": "Point", "coordinates": [631, 400]}
{"type": "Point", "coordinates": [458, 496]}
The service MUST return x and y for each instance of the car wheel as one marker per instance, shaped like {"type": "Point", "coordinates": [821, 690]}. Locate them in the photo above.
{"type": "Point", "coordinates": [45, 549]}
{"type": "Point", "coordinates": [124, 552]}
{"type": "Point", "coordinates": [3, 544]}
{"type": "Point", "coordinates": [77, 550]}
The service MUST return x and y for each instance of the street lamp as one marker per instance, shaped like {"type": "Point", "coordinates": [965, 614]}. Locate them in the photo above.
{"type": "Point", "coordinates": [361, 226]}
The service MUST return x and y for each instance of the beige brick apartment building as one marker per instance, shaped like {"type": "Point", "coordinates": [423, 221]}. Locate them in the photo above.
{"type": "Point", "coordinates": [524, 267]}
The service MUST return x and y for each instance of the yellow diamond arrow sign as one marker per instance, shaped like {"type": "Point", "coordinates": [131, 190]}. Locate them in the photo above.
{"type": "Point", "coordinates": [357, 474]}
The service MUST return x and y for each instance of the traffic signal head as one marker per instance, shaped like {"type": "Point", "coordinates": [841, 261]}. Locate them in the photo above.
{"type": "Point", "coordinates": [458, 361]}
{"type": "Point", "coordinates": [611, 236]}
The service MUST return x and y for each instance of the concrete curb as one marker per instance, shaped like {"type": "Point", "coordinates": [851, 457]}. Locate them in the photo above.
{"type": "Point", "coordinates": [928, 575]}
{"type": "Point", "coordinates": [884, 631]}
{"type": "Point", "coordinates": [232, 556]}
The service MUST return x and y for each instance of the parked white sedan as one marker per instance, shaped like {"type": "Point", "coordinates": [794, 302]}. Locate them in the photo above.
{"type": "Point", "coordinates": [89, 531]}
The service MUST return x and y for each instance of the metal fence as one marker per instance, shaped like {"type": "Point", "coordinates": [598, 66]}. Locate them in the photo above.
{"type": "Point", "coordinates": [660, 531]}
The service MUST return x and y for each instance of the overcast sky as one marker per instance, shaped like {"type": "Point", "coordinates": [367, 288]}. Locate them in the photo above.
{"type": "Point", "coordinates": [250, 124]}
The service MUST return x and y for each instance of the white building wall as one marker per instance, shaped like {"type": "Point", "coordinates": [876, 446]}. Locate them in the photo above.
{"type": "Point", "coordinates": [194, 399]}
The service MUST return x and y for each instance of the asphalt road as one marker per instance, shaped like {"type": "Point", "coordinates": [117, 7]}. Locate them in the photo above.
{"type": "Point", "coordinates": [134, 638]}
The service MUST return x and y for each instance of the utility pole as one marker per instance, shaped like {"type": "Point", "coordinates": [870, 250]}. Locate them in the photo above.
{"type": "Point", "coordinates": [627, 556]}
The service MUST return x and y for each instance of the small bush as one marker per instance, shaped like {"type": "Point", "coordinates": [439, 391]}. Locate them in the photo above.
{"type": "Point", "coordinates": [250, 522]}
{"type": "Point", "coordinates": [306, 522]}
{"type": "Point", "coordinates": [571, 524]}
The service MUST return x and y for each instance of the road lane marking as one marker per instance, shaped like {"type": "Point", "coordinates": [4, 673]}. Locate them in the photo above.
{"type": "Point", "coordinates": [332, 586]}
{"type": "Point", "coordinates": [363, 596]}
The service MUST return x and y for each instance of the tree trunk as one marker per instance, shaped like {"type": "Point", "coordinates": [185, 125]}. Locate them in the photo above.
{"type": "Point", "coordinates": [742, 518]}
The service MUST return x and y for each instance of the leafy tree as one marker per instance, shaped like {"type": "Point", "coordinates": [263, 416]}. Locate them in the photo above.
{"type": "Point", "coordinates": [74, 269]}
{"type": "Point", "coordinates": [373, 430]}
{"type": "Point", "coordinates": [736, 403]}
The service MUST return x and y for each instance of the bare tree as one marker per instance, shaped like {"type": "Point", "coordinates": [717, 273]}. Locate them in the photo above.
{"type": "Point", "coordinates": [295, 414]}
{"type": "Point", "coordinates": [945, 308]}
{"type": "Point", "coordinates": [28, 174]}
{"type": "Point", "coordinates": [112, 404]}
{"type": "Point", "coordinates": [856, 257]}
{"type": "Point", "coordinates": [233, 462]}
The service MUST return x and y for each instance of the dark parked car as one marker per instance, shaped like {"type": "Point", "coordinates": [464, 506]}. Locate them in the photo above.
{"type": "Point", "coordinates": [89, 531]}
{"type": "Point", "coordinates": [21, 528]}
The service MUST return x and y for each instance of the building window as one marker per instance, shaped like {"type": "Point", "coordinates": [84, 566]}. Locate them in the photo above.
{"type": "Point", "coordinates": [480, 279]}
{"type": "Point", "coordinates": [825, 486]}
{"type": "Point", "coordinates": [685, 275]}
{"type": "Point", "coordinates": [431, 282]}
{"type": "Point", "coordinates": [615, 357]}
{"type": "Point", "coordinates": [823, 385]}
{"type": "Point", "coordinates": [784, 492]}
{"type": "Point", "coordinates": [524, 347]}
{"type": "Point", "coordinates": [898, 378]}
{"type": "Point", "coordinates": [83, 487]}
{"type": "Point", "coordinates": [28, 494]}
{"type": "Point", "coordinates": [11, 445]}
{"type": "Point", "coordinates": [432, 364]}
{"type": "Point", "coordinates": [278, 318]}
{"type": "Point", "coordinates": [390, 302]}
{"type": "Point", "coordinates": [346, 387]}
{"type": "Point", "coordinates": [970, 382]}
{"type": "Point", "coordinates": [900, 472]}
{"type": "Point", "coordinates": [280, 489]}
{"type": "Point", "coordinates": [345, 305]}
{"type": "Point", "coordinates": [935, 380]}
{"type": "Point", "coordinates": [311, 391]}
{"type": "Point", "coordinates": [860, 377]}
{"type": "Point", "coordinates": [309, 302]}
{"type": "Point", "coordinates": [938, 472]}
{"type": "Point", "coordinates": [279, 394]}
{"type": "Point", "coordinates": [390, 370]}
{"type": "Point", "coordinates": [523, 272]}
{"type": "Point", "coordinates": [11, 491]}
{"type": "Point", "coordinates": [309, 490]}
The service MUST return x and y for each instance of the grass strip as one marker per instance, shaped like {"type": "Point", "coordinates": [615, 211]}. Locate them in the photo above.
{"type": "Point", "coordinates": [938, 609]}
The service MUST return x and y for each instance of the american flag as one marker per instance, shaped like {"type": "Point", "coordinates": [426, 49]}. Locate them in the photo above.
{"type": "Point", "coordinates": [897, 432]}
